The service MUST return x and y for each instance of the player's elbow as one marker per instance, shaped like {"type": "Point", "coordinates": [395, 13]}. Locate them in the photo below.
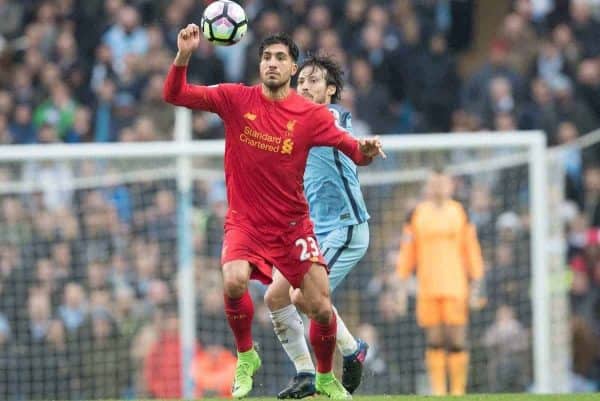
{"type": "Point", "coordinates": [171, 94]}
{"type": "Point", "coordinates": [168, 96]}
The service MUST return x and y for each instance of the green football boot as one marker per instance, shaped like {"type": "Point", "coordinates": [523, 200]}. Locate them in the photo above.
{"type": "Point", "coordinates": [247, 364]}
{"type": "Point", "coordinates": [328, 385]}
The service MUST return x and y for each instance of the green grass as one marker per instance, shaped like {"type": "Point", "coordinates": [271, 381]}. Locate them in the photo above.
{"type": "Point", "coordinates": [473, 397]}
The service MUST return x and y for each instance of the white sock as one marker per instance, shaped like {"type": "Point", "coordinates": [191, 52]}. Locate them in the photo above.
{"type": "Point", "coordinates": [345, 341]}
{"type": "Point", "coordinates": [289, 328]}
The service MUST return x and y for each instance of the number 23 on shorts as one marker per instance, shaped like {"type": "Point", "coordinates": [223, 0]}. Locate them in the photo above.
{"type": "Point", "coordinates": [309, 248]}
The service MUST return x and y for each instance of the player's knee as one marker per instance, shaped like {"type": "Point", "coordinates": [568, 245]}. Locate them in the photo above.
{"type": "Point", "coordinates": [322, 312]}
{"type": "Point", "coordinates": [275, 300]}
{"type": "Point", "coordinates": [235, 278]}
{"type": "Point", "coordinates": [235, 285]}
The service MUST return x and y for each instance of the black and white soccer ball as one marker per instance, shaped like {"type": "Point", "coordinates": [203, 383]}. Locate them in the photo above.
{"type": "Point", "coordinates": [224, 23]}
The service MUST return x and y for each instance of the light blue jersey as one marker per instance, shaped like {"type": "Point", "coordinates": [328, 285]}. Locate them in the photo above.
{"type": "Point", "coordinates": [331, 184]}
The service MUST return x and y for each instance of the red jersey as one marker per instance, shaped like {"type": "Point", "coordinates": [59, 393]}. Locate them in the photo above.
{"type": "Point", "coordinates": [266, 147]}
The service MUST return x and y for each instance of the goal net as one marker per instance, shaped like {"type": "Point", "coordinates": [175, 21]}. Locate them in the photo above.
{"type": "Point", "coordinates": [110, 281]}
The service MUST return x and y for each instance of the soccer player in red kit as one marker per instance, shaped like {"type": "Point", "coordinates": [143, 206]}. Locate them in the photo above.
{"type": "Point", "coordinates": [269, 130]}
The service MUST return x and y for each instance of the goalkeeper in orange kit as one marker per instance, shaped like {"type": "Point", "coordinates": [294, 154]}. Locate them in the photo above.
{"type": "Point", "coordinates": [441, 244]}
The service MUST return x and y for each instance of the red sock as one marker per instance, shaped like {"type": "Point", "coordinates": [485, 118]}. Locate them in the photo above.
{"type": "Point", "coordinates": [240, 312]}
{"type": "Point", "coordinates": [322, 339]}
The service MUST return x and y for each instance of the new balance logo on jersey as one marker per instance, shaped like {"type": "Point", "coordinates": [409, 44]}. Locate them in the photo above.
{"type": "Point", "coordinates": [250, 116]}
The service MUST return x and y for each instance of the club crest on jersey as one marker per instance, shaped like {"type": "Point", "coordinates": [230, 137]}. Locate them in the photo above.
{"type": "Point", "coordinates": [290, 127]}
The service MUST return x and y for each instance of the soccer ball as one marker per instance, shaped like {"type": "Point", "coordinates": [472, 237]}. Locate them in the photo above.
{"type": "Point", "coordinates": [224, 23]}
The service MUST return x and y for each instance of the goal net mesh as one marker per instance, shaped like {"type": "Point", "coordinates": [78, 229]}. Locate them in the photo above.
{"type": "Point", "coordinates": [88, 278]}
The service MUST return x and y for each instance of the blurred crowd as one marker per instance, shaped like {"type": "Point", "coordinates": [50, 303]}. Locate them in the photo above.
{"type": "Point", "coordinates": [88, 273]}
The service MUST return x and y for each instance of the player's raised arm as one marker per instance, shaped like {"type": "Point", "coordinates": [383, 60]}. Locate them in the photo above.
{"type": "Point", "coordinates": [329, 133]}
{"type": "Point", "coordinates": [176, 89]}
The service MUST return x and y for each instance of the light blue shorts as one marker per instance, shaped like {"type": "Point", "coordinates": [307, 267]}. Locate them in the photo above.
{"type": "Point", "coordinates": [343, 248]}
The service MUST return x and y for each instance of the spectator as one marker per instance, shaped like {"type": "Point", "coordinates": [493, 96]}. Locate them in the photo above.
{"type": "Point", "coordinates": [550, 64]}
{"type": "Point", "coordinates": [376, 110]}
{"type": "Point", "coordinates": [591, 203]}
{"type": "Point", "coordinates": [585, 355]}
{"type": "Point", "coordinates": [506, 282]}
{"type": "Point", "coordinates": [506, 341]}
{"type": "Point", "coordinates": [5, 135]}
{"type": "Point", "coordinates": [571, 108]}
{"type": "Point", "coordinates": [564, 40]}
{"type": "Point", "coordinates": [217, 202]}
{"type": "Point", "coordinates": [126, 37]}
{"type": "Point", "coordinates": [11, 14]}
{"type": "Point", "coordinates": [105, 119]}
{"type": "Point", "coordinates": [205, 67]}
{"type": "Point", "coordinates": [162, 366]}
{"type": "Point", "coordinates": [65, 267]}
{"type": "Point", "coordinates": [521, 40]}
{"type": "Point", "coordinates": [33, 339]}
{"type": "Point", "coordinates": [58, 111]}
{"type": "Point", "coordinates": [475, 89]}
{"type": "Point", "coordinates": [22, 86]}
{"type": "Point", "coordinates": [214, 368]}
{"type": "Point", "coordinates": [584, 293]}
{"type": "Point", "coordinates": [118, 195]}
{"type": "Point", "coordinates": [73, 311]}
{"type": "Point", "coordinates": [15, 229]}
{"type": "Point", "coordinates": [540, 112]}
{"type": "Point", "coordinates": [9, 373]}
{"type": "Point", "coordinates": [59, 372]}
{"type": "Point", "coordinates": [121, 274]}
{"type": "Point", "coordinates": [103, 372]}
{"type": "Point", "coordinates": [440, 85]}
{"type": "Point", "coordinates": [573, 162]}
{"type": "Point", "coordinates": [22, 129]}
{"type": "Point", "coordinates": [81, 129]}
{"type": "Point", "coordinates": [153, 105]}
{"type": "Point", "coordinates": [501, 99]}
{"type": "Point", "coordinates": [588, 77]}
{"type": "Point", "coordinates": [584, 27]}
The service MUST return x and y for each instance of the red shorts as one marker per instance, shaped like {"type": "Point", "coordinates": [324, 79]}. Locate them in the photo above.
{"type": "Point", "coordinates": [292, 253]}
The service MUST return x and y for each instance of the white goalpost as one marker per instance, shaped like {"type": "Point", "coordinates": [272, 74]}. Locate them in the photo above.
{"type": "Point", "coordinates": [509, 180]}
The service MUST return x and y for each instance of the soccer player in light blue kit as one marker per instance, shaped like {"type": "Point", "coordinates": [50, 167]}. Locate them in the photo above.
{"type": "Point", "coordinates": [338, 211]}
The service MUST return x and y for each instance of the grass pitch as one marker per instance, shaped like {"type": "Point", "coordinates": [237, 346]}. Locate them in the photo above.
{"type": "Point", "coordinates": [473, 397]}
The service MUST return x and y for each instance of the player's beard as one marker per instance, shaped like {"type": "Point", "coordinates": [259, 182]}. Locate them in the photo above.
{"type": "Point", "coordinates": [275, 86]}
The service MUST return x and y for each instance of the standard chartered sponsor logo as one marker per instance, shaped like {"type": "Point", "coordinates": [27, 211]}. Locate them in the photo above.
{"type": "Point", "coordinates": [263, 141]}
{"type": "Point", "coordinates": [261, 135]}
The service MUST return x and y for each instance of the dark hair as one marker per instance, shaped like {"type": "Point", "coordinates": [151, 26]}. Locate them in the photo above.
{"type": "Point", "coordinates": [282, 38]}
{"type": "Point", "coordinates": [438, 168]}
{"type": "Point", "coordinates": [333, 72]}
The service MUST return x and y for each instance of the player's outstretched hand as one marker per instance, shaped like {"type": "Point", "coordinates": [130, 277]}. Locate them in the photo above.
{"type": "Point", "coordinates": [371, 147]}
{"type": "Point", "coordinates": [188, 39]}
